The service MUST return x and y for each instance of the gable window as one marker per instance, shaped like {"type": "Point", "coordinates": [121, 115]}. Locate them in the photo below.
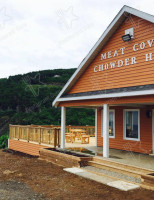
{"type": "Point", "coordinates": [131, 124]}
{"type": "Point", "coordinates": [111, 123]}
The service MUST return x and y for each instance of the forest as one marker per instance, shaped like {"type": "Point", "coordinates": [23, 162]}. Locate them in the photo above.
{"type": "Point", "coordinates": [27, 99]}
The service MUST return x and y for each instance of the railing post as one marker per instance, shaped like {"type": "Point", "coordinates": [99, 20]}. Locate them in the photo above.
{"type": "Point", "coordinates": [10, 131]}
{"type": "Point", "coordinates": [18, 132]}
{"type": "Point", "coordinates": [27, 131]}
{"type": "Point", "coordinates": [86, 129]}
{"type": "Point", "coordinates": [40, 137]}
{"type": "Point", "coordinates": [49, 136]}
{"type": "Point", "coordinates": [69, 129]}
{"type": "Point", "coordinates": [55, 138]}
{"type": "Point", "coordinates": [59, 137]}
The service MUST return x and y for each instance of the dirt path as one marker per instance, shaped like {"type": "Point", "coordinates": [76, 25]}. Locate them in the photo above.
{"type": "Point", "coordinates": [12, 190]}
{"type": "Point", "coordinates": [29, 178]}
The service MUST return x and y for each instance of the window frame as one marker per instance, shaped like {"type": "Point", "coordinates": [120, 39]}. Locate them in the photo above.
{"type": "Point", "coordinates": [113, 110]}
{"type": "Point", "coordinates": [124, 125]}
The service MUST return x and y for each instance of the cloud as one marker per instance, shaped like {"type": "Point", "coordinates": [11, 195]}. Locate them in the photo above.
{"type": "Point", "coordinates": [46, 34]}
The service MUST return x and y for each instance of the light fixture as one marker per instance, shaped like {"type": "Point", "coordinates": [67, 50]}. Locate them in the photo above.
{"type": "Point", "coordinates": [129, 35]}
{"type": "Point", "coordinates": [126, 37]}
{"type": "Point", "coordinates": [149, 113]}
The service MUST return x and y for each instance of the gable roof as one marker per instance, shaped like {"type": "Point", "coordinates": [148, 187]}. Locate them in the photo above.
{"type": "Point", "coordinates": [120, 17]}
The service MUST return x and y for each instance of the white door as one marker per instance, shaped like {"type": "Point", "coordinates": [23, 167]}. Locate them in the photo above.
{"type": "Point", "coordinates": [153, 130]}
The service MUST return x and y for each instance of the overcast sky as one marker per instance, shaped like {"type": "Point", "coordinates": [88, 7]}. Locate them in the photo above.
{"type": "Point", "coordinates": [47, 34]}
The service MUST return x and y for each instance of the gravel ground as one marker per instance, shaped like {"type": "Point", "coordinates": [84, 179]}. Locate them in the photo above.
{"type": "Point", "coordinates": [24, 178]}
{"type": "Point", "coordinates": [12, 190]}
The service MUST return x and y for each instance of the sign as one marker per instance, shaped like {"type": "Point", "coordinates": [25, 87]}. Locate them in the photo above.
{"type": "Point", "coordinates": [125, 62]}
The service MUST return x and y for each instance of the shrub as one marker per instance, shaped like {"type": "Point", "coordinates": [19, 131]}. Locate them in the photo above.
{"type": "Point", "coordinates": [3, 141]}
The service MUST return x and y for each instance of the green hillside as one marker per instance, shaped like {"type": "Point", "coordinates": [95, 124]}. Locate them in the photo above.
{"type": "Point", "coordinates": [27, 99]}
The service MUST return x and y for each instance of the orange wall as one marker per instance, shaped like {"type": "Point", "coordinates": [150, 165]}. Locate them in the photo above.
{"type": "Point", "coordinates": [141, 73]}
{"type": "Point", "coordinates": [25, 147]}
{"type": "Point", "coordinates": [145, 144]}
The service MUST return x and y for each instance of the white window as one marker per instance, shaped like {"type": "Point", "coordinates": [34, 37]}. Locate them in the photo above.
{"type": "Point", "coordinates": [111, 123]}
{"type": "Point", "coordinates": [132, 124]}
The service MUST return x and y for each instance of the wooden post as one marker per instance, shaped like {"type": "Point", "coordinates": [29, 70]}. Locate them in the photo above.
{"type": "Point", "coordinates": [10, 131]}
{"type": "Point", "coordinates": [27, 132]}
{"type": "Point", "coordinates": [40, 136]}
{"type": "Point", "coordinates": [18, 133]}
{"type": "Point", "coordinates": [69, 129]}
{"type": "Point", "coordinates": [55, 138]}
{"type": "Point", "coordinates": [58, 137]}
{"type": "Point", "coordinates": [49, 136]}
{"type": "Point", "coordinates": [86, 129]}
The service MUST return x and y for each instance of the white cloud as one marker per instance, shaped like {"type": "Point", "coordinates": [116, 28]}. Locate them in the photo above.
{"type": "Point", "coordinates": [47, 34]}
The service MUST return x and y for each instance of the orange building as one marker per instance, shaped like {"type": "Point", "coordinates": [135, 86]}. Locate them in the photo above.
{"type": "Point", "coordinates": [117, 79]}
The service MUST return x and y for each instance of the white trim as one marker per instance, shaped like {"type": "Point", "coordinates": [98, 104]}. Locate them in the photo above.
{"type": "Point", "coordinates": [153, 130]}
{"type": "Point", "coordinates": [100, 43]}
{"type": "Point", "coordinates": [102, 122]}
{"type": "Point", "coordinates": [102, 96]}
{"type": "Point", "coordinates": [124, 125]}
{"type": "Point", "coordinates": [96, 127]}
{"type": "Point", "coordinates": [105, 130]}
{"type": "Point", "coordinates": [113, 122]}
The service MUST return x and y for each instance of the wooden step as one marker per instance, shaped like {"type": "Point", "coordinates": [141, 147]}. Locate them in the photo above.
{"type": "Point", "coordinates": [148, 181]}
{"type": "Point", "coordinates": [122, 165]}
{"type": "Point", "coordinates": [115, 169]}
{"type": "Point", "coordinates": [142, 177]}
{"type": "Point", "coordinates": [113, 175]}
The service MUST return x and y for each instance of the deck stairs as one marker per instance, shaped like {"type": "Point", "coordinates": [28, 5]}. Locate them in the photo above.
{"type": "Point", "coordinates": [120, 171]}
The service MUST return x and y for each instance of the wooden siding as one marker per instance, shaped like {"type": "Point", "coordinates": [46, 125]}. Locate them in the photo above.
{"type": "Point", "coordinates": [141, 73]}
{"type": "Point", "coordinates": [142, 146]}
{"type": "Point", "coordinates": [25, 147]}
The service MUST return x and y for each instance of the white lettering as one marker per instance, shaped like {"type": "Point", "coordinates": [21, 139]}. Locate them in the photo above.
{"type": "Point", "coordinates": [122, 50]}
{"type": "Point", "coordinates": [95, 69]}
{"type": "Point", "coordinates": [103, 56]}
{"type": "Point", "coordinates": [115, 53]}
{"type": "Point", "coordinates": [134, 47]}
{"type": "Point", "coordinates": [126, 61]}
{"type": "Point", "coordinates": [100, 68]}
{"type": "Point", "coordinates": [142, 45]}
{"type": "Point", "coordinates": [120, 63]}
{"type": "Point", "coordinates": [150, 42]}
{"type": "Point", "coordinates": [112, 64]}
{"type": "Point", "coordinates": [106, 66]}
{"type": "Point", "coordinates": [133, 59]}
{"type": "Point", "coordinates": [148, 56]}
{"type": "Point", "coordinates": [109, 54]}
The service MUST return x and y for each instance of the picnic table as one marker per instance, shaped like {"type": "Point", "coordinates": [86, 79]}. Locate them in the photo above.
{"type": "Point", "coordinates": [80, 134]}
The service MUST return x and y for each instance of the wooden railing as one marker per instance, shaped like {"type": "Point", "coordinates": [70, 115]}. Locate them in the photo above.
{"type": "Point", "coordinates": [39, 134]}
{"type": "Point", "coordinates": [90, 130]}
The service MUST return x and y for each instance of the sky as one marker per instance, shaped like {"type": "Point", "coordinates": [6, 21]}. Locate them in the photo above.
{"type": "Point", "coordinates": [48, 34]}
